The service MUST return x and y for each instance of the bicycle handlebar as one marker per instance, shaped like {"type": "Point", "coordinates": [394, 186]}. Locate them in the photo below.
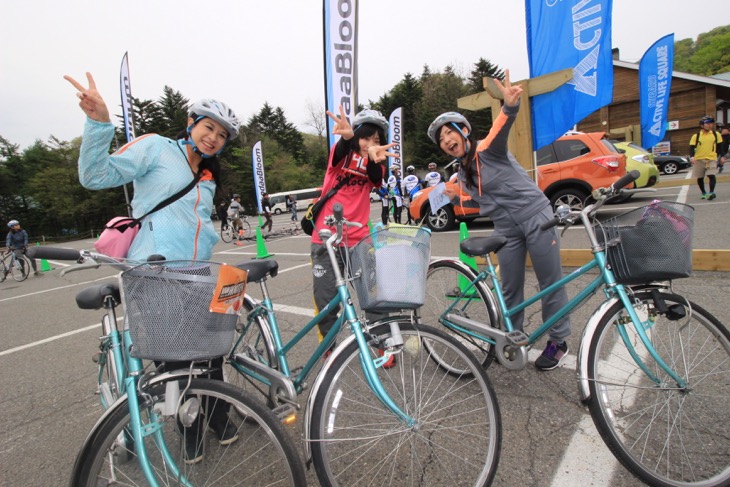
{"type": "Point", "coordinates": [56, 253]}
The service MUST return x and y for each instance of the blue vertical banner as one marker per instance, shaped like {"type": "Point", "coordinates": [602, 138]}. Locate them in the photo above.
{"type": "Point", "coordinates": [340, 59]}
{"type": "Point", "coordinates": [572, 34]}
{"type": "Point", "coordinates": [395, 135]}
{"type": "Point", "coordinates": [259, 180]}
{"type": "Point", "coordinates": [655, 82]}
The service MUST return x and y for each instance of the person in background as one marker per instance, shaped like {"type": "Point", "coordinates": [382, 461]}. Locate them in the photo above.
{"type": "Point", "coordinates": [291, 203]}
{"type": "Point", "coordinates": [234, 213]}
{"type": "Point", "coordinates": [385, 202]}
{"type": "Point", "coordinates": [396, 194]}
{"type": "Point", "coordinates": [411, 184]}
{"type": "Point", "coordinates": [355, 165]}
{"type": "Point", "coordinates": [159, 167]}
{"type": "Point", "coordinates": [493, 178]}
{"type": "Point", "coordinates": [725, 133]}
{"type": "Point", "coordinates": [703, 150]}
{"type": "Point", "coordinates": [222, 213]}
{"type": "Point", "coordinates": [266, 209]}
{"type": "Point", "coordinates": [433, 177]}
{"type": "Point", "coordinates": [17, 241]}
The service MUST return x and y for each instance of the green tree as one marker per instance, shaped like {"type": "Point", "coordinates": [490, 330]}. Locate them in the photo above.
{"type": "Point", "coordinates": [273, 123]}
{"type": "Point", "coordinates": [173, 109]}
{"type": "Point", "coordinates": [481, 120]}
{"type": "Point", "coordinates": [708, 55]}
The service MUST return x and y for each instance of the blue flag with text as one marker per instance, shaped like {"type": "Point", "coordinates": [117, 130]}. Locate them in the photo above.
{"type": "Point", "coordinates": [655, 82]}
{"type": "Point", "coordinates": [572, 34]}
{"type": "Point", "coordinates": [340, 59]}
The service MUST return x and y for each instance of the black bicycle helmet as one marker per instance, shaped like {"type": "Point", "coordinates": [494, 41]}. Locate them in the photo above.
{"type": "Point", "coordinates": [706, 119]}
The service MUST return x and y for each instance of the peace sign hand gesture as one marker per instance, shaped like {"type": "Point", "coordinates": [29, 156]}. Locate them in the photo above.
{"type": "Point", "coordinates": [91, 101]}
{"type": "Point", "coordinates": [510, 94]}
{"type": "Point", "coordinates": [378, 153]}
{"type": "Point", "coordinates": [342, 126]}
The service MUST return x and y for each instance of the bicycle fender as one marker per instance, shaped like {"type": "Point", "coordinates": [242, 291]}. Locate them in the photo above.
{"type": "Point", "coordinates": [584, 347]}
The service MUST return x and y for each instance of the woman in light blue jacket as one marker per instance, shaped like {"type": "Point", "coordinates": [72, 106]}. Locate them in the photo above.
{"type": "Point", "coordinates": [160, 167]}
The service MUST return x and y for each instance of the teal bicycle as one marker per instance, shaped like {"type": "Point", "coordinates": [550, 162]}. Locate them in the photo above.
{"type": "Point", "coordinates": [163, 426]}
{"type": "Point", "coordinates": [653, 367]}
{"type": "Point", "coordinates": [415, 423]}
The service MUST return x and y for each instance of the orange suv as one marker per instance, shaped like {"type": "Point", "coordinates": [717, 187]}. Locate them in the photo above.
{"type": "Point", "coordinates": [567, 172]}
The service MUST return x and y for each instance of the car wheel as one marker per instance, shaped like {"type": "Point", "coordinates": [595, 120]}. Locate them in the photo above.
{"type": "Point", "coordinates": [571, 197]}
{"type": "Point", "coordinates": [442, 220]}
{"type": "Point", "coordinates": [277, 211]}
{"type": "Point", "coordinates": [670, 167]}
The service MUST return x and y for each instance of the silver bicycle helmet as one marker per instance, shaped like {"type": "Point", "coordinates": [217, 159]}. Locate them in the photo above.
{"type": "Point", "coordinates": [218, 111]}
{"type": "Point", "coordinates": [370, 116]}
{"type": "Point", "coordinates": [12, 223]}
{"type": "Point", "coordinates": [410, 169]}
{"type": "Point", "coordinates": [443, 119]}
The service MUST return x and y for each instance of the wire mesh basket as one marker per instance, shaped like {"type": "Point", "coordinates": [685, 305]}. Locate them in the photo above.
{"type": "Point", "coordinates": [651, 243]}
{"type": "Point", "coordinates": [390, 268]}
{"type": "Point", "coordinates": [168, 311]}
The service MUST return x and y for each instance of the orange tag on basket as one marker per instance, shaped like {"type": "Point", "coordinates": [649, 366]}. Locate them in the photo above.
{"type": "Point", "coordinates": [229, 290]}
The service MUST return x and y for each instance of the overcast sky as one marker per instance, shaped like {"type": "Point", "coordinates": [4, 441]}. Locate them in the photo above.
{"type": "Point", "coordinates": [246, 52]}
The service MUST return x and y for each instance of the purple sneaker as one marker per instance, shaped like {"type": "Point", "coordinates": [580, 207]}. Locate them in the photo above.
{"type": "Point", "coordinates": [551, 356]}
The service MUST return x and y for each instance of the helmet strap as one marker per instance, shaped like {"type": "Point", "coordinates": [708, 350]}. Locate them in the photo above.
{"type": "Point", "coordinates": [467, 145]}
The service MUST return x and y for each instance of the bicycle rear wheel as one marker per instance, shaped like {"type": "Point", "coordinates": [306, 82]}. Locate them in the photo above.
{"type": "Point", "coordinates": [247, 232]}
{"type": "Point", "coordinates": [20, 268]}
{"type": "Point", "coordinates": [262, 455]}
{"type": "Point", "coordinates": [227, 232]}
{"type": "Point", "coordinates": [446, 282]}
{"type": "Point", "coordinates": [662, 434]}
{"type": "Point", "coordinates": [356, 440]}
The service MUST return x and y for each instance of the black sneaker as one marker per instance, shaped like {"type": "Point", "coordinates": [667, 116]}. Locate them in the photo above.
{"type": "Point", "coordinates": [227, 433]}
{"type": "Point", "coordinates": [551, 356]}
{"type": "Point", "coordinates": [193, 448]}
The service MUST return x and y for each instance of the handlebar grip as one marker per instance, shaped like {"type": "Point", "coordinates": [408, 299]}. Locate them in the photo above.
{"type": "Point", "coordinates": [337, 210]}
{"type": "Point", "coordinates": [550, 224]}
{"type": "Point", "coordinates": [56, 253]}
{"type": "Point", "coordinates": [623, 181]}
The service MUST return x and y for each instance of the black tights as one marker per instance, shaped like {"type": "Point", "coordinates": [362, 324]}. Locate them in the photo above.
{"type": "Point", "coordinates": [701, 183]}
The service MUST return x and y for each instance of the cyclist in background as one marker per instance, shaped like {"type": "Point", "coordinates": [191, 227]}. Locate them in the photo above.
{"type": "Point", "coordinates": [411, 184]}
{"type": "Point", "coordinates": [433, 177]}
{"type": "Point", "coordinates": [17, 241]}
{"type": "Point", "coordinates": [493, 178]}
{"type": "Point", "coordinates": [234, 213]}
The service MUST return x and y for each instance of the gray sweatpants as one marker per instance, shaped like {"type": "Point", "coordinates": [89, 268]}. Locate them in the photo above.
{"type": "Point", "coordinates": [544, 249]}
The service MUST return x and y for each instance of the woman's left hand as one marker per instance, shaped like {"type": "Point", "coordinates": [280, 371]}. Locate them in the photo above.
{"type": "Point", "coordinates": [378, 153]}
{"type": "Point", "coordinates": [510, 94]}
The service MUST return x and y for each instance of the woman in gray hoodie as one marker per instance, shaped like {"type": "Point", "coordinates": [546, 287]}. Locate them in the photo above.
{"type": "Point", "coordinates": [492, 177]}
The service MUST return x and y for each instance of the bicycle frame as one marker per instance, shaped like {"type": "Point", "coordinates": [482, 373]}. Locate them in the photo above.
{"type": "Point", "coordinates": [605, 279]}
{"type": "Point", "coordinates": [269, 376]}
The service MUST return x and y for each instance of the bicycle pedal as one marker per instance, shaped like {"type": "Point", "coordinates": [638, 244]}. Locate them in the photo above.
{"type": "Point", "coordinates": [287, 413]}
{"type": "Point", "coordinates": [517, 338]}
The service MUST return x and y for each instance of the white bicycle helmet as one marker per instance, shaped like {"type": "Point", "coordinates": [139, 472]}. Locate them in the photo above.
{"type": "Point", "coordinates": [218, 111]}
{"type": "Point", "coordinates": [12, 223]}
{"type": "Point", "coordinates": [443, 119]}
{"type": "Point", "coordinates": [410, 169]}
{"type": "Point", "coordinates": [370, 116]}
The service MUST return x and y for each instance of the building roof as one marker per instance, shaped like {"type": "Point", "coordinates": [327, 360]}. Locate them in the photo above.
{"type": "Point", "coordinates": [717, 80]}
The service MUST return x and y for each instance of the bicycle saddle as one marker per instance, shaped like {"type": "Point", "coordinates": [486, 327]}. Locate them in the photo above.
{"type": "Point", "coordinates": [93, 297]}
{"type": "Point", "coordinates": [482, 245]}
{"type": "Point", "coordinates": [258, 269]}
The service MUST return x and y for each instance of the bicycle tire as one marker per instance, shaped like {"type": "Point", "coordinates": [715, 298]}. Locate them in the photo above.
{"type": "Point", "coordinates": [254, 342]}
{"type": "Point", "coordinates": [357, 441]}
{"type": "Point", "coordinates": [664, 436]}
{"type": "Point", "coordinates": [263, 454]}
{"type": "Point", "coordinates": [3, 271]}
{"type": "Point", "coordinates": [247, 232]}
{"type": "Point", "coordinates": [442, 285]}
{"type": "Point", "coordinates": [227, 232]}
{"type": "Point", "coordinates": [20, 268]}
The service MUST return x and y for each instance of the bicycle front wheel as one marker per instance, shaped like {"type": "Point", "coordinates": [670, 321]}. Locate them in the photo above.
{"type": "Point", "coordinates": [227, 232]}
{"type": "Point", "coordinates": [662, 434]}
{"type": "Point", "coordinates": [20, 268]}
{"type": "Point", "coordinates": [251, 451]}
{"type": "Point", "coordinates": [446, 283]}
{"type": "Point", "coordinates": [456, 440]}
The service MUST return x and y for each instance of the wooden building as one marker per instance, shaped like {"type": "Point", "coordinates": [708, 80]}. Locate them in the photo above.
{"type": "Point", "coordinates": [691, 97]}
